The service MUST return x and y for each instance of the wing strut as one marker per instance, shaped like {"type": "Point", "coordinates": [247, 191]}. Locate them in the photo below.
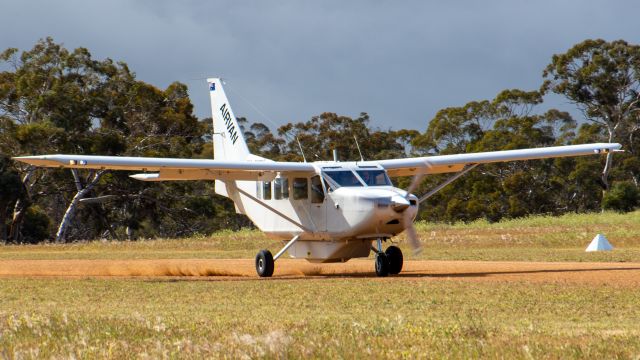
{"type": "Point", "coordinates": [464, 170]}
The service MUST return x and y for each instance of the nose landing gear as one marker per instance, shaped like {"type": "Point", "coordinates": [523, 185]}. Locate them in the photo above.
{"type": "Point", "coordinates": [389, 261]}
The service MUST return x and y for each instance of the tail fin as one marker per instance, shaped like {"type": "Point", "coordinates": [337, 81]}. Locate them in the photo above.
{"type": "Point", "coordinates": [228, 140]}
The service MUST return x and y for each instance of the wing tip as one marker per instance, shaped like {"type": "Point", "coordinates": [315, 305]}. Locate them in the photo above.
{"type": "Point", "coordinates": [146, 177]}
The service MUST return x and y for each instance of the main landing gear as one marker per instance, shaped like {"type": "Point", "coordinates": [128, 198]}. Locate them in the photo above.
{"type": "Point", "coordinates": [265, 262]}
{"type": "Point", "coordinates": [387, 262]}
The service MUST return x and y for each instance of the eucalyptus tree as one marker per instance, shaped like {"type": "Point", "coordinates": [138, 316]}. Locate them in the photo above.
{"type": "Point", "coordinates": [509, 121]}
{"type": "Point", "coordinates": [603, 80]}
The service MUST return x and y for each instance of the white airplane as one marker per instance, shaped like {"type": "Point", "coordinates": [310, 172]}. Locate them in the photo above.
{"type": "Point", "coordinates": [324, 211]}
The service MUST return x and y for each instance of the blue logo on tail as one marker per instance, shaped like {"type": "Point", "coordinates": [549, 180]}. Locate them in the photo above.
{"type": "Point", "coordinates": [212, 87]}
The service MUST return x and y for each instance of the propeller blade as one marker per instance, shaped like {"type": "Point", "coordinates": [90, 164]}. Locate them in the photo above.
{"type": "Point", "coordinates": [417, 178]}
{"type": "Point", "coordinates": [412, 235]}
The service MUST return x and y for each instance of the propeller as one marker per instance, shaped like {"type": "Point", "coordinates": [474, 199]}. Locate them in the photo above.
{"type": "Point", "coordinates": [412, 234]}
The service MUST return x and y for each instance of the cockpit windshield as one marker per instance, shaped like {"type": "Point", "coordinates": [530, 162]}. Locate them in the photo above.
{"type": "Point", "coordinates": [343, 177]}
{"type": "Point", "coordinates": [374, 177]}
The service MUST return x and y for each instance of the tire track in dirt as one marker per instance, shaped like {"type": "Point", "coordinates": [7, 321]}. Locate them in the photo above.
{"type": "Point", "coordinates": [229, 269]}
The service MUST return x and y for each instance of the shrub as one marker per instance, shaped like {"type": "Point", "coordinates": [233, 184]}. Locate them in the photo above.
{"type": "Point", "coordinates": [623, 196]}
{"type": "Point", "coordinates": [36, 225]}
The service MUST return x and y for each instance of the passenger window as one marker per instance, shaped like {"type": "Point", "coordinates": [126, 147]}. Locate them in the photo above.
{"type": "Point", "coordinates": [285, 188]}
{"type": "Point", "coordinates": [277, 188]}
{"type": "Point", "coordinates": [266, 190]}
{"type": "Point", "coordinates": [317, 192]}
{"type": "Point", "coordinates": [300, 188]}
{"type": "Point", "coordinates": [281, 188]}
{"type": "Point", "coordinates": [259, 189]}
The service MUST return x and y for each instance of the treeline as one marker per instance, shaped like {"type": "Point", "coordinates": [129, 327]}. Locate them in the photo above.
{"type": "Point", "coordinates": [54, 100]}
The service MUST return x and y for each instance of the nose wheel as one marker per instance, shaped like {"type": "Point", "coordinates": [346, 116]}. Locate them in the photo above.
{"type": "Point", "coordinates": [395, 259]}
{"type": "Point", "coordinates": [388, 262]}
{"type": "Point", "coordinates": [382, 264]}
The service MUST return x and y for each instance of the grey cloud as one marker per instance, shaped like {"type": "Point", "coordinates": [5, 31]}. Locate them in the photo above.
{"type": "Point", "coordinates": [400, 61]}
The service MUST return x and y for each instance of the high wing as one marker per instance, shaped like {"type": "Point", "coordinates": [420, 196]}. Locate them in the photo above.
{"type": "Point", "coordinates": [255, 168]}
{"type": "Point", "coordinates": [455, 163]}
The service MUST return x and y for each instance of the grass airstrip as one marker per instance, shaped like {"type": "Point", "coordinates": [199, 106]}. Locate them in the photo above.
{"type": "Point", "coordinates": [340, 315]}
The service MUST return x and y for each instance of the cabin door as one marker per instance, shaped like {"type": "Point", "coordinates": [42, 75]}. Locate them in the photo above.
{"type": "Point", "coordinates": [318, 203]}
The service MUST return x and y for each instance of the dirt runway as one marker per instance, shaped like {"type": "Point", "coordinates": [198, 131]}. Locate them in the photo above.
{"type": "Point", "coordinates": [225, 269]}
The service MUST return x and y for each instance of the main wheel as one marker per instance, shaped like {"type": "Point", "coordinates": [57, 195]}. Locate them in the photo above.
{"type": "Point", "coordinates": [394, 255]}
{"type": "Point", "coordinates": [382, 264]}
{"type": "Point", "coordinates": [264, 263]}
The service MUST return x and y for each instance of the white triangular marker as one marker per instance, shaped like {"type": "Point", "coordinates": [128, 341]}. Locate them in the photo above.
{"type": "Point", "coordinates": [599, 243]}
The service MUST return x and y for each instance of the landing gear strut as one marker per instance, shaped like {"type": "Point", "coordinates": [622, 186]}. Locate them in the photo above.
{"type": "Point", "coordinates": [389, 261]}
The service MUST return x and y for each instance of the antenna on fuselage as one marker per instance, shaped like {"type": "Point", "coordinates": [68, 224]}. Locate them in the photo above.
{"type": "Point", "coordinates": [358, 146]}
{"type": "Point", "coordinates": [301, 151]}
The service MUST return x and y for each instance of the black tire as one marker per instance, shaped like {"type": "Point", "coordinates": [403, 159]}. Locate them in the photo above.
{"type": "Point", "coordinates": [264, 263]}
{"type": "Point", "coordinates": [382, 265]}
{"type": "Point", "coordinates": [395, 258]}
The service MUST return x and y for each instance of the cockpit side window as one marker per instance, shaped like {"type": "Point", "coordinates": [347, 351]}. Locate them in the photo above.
{"type": "Point", "coordinates": [343, 178]}
{"type": "Point", "coordinates": [374, 177]}
{"type": "Point", "coordinates": [317, 191]}
{"type": "Point", "coordinates": [300, 188]}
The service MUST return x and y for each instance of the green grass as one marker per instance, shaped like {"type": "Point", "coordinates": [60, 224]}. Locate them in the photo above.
{"type": "Point", "coordinates": [332, 317]}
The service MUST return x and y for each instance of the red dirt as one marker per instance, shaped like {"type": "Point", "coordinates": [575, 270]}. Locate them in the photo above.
{"type": "Point", "coordinates": [545, 272]}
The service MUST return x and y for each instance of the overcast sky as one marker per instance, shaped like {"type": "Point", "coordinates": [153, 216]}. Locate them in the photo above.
{"type": "Point", "coordinates": [399, 61]}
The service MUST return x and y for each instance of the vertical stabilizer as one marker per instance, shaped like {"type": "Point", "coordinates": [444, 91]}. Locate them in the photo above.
{"type": "Point", "coordinates": [228, 140]}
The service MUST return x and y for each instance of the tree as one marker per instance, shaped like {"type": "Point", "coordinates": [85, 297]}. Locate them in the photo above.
{"type": "Point", "coordinates": [603, 80]}
{"type": "Point", "coordinates": [54, 100]}
{"type": "Point", "coordinates": [328, 131]}
{"type": "Point", "coordinates": [10, 192]}
{"type": "Point", "coordinates": [494, 191]}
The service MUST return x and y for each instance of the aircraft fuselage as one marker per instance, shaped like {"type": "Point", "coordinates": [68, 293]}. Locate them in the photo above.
{"type": "Point", "coordinates": [337, 212]}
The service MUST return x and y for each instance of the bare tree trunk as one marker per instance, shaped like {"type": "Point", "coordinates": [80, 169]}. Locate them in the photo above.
{"type": "Point", "coordinates": [3, 226]}
{"type": "Point", "coordinates": [606, 171]}
{"type": "Point", "coordinates": [607, 165]}
{"type": "Point", "coordinates": [20, 208]}
{"type": "Point", "coordinates": [71, 210]}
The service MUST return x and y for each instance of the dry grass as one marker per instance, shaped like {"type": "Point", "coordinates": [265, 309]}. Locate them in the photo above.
{"type": "Point", "coordinates": [343, 318]}
{"type": "Point", "coordinates": [539, 238]}
{"type": "Point", "coordinates": [332, 317]}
